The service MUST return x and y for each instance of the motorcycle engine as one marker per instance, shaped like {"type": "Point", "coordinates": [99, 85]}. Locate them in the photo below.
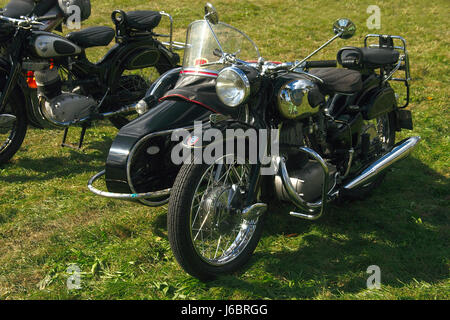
{"type": "Point", "coordinates": [57, 106]}
{"type": "Point", "coordinates": [307, 181]}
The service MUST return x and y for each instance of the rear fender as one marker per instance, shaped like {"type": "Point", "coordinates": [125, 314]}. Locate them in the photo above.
{"type": "Point", "coordinates": [379, 102]}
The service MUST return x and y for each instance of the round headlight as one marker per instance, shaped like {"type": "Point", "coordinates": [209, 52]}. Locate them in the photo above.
{"type": "Point", "coordinates": [232, 86]}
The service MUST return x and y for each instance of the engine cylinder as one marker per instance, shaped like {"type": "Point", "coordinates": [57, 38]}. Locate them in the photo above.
{"type": "Point", "coordinates": [49, 83]}
{"type": "Point", "coordinates": [307, 181]}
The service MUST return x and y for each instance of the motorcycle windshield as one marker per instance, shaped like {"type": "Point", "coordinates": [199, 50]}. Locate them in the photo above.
{"type": "Point", "coordinates": [203, 52]}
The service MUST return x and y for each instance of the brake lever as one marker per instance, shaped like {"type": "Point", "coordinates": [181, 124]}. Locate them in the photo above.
{"type": "Point", "coordinates": [27, 23]}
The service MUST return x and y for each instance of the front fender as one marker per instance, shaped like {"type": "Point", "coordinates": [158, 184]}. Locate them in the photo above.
{"type": "Point", "coordinates": [129, 151]}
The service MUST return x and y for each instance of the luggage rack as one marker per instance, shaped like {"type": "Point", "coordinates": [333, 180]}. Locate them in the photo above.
{"type": "Point", "coordinates": [387, 41]}
{"type": "Point", "coordinates": [173, 45]}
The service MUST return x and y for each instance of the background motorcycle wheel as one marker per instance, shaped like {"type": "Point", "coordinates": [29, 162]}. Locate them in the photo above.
{"type": "Point", "coordinates": [385, 125]}
{"type": "Point", "coordinates": [134, 87]}
{"type": "Point", "coordinates": [13, 127]}
{"type": "Point", "coordinates": [228, 240]}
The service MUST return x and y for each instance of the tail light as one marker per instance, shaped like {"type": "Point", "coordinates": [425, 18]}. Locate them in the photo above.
{"type": "Point", "coordinates": [31, 80]}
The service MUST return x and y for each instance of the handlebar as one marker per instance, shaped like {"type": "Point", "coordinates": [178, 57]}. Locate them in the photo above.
{"type": "Point", "coordinates": [45, 18]}
{"type": "Point", "coordinates": [305, 65]}
{"type": "Point", "coordinates": [25, 22]}
{"type": "Point", "coordinates": [321, 64]}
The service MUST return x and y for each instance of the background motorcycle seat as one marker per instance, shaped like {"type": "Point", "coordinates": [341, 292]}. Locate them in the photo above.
{"type": "Point", "coordinates": [367, 57]}
{"type": "Point", "coordinates": [92, 37]}
{"type": "Point", "coordinates": [18, 8]}
{"type": "Point", "coordinates": [143, 20]}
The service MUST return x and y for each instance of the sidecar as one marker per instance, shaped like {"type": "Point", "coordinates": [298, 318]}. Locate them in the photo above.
{"type": "Point", "coordinates": [139, 166]}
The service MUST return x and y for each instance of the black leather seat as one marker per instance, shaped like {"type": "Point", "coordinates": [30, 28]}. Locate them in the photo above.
{"type": "Point", "coordinates": [367, 57]}
{"type": "Point", "coordinates": [18, 8]}
{"type": "Point", "coordinates": [339, 80]}
{"type": "Point", "coordinates": [143, 20]}
{"type": "Point", "coordinates": [92, 37]}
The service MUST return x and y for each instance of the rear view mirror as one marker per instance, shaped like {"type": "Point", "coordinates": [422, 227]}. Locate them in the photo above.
{"type": "Point", "coordinates": [344, 28]}
{"type": "Point", "coordinates": [211, 14]}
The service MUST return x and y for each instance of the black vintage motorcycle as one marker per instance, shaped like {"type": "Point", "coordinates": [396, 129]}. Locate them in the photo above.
{"type": "Point", "coordinates": [71, 90]}
{"type": "Point", "coordinates": [334, 127]}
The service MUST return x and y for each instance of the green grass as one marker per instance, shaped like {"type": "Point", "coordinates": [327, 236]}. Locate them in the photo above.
{"type": "Point", "coordinates": [49, 220]}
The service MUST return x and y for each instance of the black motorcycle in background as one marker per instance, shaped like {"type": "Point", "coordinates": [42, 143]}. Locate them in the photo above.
{"type": "Point", "coordinates": [335, 129]}
{"type": "Point", "coordinates": [71, 90]}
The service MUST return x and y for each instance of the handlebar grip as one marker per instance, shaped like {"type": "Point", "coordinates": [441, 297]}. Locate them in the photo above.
{"type": "Point", "coordinates": [321, 64]}
{"type": "Point", "coordinates": [45, 18]}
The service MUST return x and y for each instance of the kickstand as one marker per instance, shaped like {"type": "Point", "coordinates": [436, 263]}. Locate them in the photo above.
{"type": "Point", "coordinates": [80, 143]}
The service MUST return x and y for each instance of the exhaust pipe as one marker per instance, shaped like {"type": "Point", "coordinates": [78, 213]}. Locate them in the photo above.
{"type": "Point", "coordinates": [400, 151]}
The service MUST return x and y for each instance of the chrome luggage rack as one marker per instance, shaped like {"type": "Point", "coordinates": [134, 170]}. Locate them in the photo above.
{"type": "Point", "coordinates": [387, 41]}
{"type": "Point", "coordinates": [173, 45]}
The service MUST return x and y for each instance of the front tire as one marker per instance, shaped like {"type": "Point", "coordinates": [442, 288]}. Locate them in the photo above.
{"type": "Point", "coordinates": [206, 240]}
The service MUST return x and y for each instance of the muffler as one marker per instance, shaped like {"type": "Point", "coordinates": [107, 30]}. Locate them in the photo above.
{"type": "Point", "coordinates": [400, 151]}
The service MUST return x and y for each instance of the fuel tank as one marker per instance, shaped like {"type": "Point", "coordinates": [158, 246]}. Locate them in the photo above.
{"type": "Point", "coordinates": [50, 45]}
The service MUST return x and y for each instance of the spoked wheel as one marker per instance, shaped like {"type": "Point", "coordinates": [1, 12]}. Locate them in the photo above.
{"type": "Point", "coordinates": [207, 231]}
{"type": "Point", "coordinates": [13, 128]}
{"type": "Point", "coordinates": [133, 87]}
{"type": "Point", "coordinates": [381, 133]}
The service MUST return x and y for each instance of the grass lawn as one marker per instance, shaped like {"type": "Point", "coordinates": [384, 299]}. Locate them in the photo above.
{"type": "Point", "coordinates": [49, 220]}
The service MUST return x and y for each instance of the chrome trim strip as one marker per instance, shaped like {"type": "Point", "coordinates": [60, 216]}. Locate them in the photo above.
{"type": "Point", "coordinates": [124, 196]}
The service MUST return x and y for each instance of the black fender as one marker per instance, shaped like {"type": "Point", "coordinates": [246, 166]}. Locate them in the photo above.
{"type": "Point", "coordinates": [173, 57]}
{"type": "Point", "coordinates": [130, 165]}
{"type": "Point", "coordinates": [131, 55]}
{"type": "Point", "coordinates": [376, 100]}
{"type": "Point", "coordinates": [240, 137]}
{"type": "Point", "coordinates": [147, 56]}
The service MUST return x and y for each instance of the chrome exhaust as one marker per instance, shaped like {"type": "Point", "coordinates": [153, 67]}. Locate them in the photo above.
{"type": "Point", "coordinates": [313, 211]}
{"type": "Point", "coordinates": [400, 151]}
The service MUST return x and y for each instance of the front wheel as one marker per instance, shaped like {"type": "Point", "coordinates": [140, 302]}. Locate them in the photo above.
{"type": "Point", "coordinates": [207, 232]}
{"type": "Point", "coordinates": [13, 127]}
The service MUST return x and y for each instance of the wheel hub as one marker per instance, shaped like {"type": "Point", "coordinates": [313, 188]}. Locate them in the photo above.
{"type": "Point", "coordinates": [221, 205]}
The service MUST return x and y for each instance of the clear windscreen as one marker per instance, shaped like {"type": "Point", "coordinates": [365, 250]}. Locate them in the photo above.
{"type": "Point", "coordinates": [203, 52]}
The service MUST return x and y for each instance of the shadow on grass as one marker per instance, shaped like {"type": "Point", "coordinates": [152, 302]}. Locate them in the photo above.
{"type": "Point", "coordinates": [403, 228]}
{"type": "Point", "coordinates": [48, 168]}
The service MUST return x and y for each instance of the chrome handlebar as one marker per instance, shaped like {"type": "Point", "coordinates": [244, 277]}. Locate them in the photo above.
{"type": "Point", "coordinates": [25, 22]}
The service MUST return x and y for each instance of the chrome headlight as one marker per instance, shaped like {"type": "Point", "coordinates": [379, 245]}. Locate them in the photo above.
{"type": "Point", "coordinates": [232, 86]}
{"type": "Point", "coordinates": [293, 99]}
